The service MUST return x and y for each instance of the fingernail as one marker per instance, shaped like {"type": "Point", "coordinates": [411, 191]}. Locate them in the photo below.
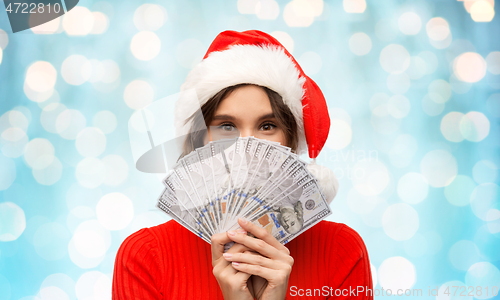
{"type": "Point", "coordinates": [243, 220]}
{"type": "Point", "coordinates": [231, 232]}
{"type": "Point", "coordinates": [243, 231]}
{"type": "Point", "coordinates": [227, 255]}
{"type": "Point", "coordinates": [236, 263]}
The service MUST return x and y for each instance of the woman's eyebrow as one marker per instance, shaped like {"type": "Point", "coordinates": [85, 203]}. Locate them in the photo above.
{"type": "Point", "coordinates": [223, 117]}
{"type": "Point", "coordinates": [229, 117]}
{"type": "Point", "coordinates": [267, 116]}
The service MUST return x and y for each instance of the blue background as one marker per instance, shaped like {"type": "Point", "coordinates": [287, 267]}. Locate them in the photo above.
{"type": "Point", "coordinates": [419, 184]}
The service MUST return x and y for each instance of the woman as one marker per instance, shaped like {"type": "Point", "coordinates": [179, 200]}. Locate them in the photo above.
{"type": "Point", "coordinates": [248, 83]}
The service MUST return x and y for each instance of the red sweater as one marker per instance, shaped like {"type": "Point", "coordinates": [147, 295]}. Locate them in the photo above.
{"type": "Point", "coordinates": [169, 262]}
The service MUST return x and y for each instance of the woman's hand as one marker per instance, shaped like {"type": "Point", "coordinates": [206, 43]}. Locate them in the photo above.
{"type": "Point", "coordinates": [267, 258]}
{"type": "Point", "coordinates": [233, 283]}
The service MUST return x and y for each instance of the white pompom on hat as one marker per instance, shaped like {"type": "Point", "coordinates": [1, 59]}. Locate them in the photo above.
{"type": "Point", "coordinates": [255, 57]}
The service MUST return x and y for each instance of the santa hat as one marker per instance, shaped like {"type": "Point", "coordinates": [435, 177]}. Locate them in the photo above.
{"type": "Point", "coordinates": [255, 57]}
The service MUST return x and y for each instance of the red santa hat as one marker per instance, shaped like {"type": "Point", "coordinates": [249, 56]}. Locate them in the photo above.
{"type": "Point", "coordinates": [255, 57]}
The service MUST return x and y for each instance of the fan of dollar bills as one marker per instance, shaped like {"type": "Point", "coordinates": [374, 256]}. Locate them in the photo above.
{"type": "Point", "coordinates": [209, 188]}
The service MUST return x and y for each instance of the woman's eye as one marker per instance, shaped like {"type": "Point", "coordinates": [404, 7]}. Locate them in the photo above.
{"type": "Point", "coordinates": [226, 127]}
{"type": "Point", "coordinates": [268, 126]}
{"type": "Point", "coordinates": [293, 223]}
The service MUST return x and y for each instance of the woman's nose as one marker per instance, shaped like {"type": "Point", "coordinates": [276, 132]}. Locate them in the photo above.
{"type": "Point", "coordinates": [246, 132]}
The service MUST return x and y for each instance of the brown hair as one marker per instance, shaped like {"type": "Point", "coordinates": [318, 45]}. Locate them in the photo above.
{"type": "Point", "coordinates": [282, 113]}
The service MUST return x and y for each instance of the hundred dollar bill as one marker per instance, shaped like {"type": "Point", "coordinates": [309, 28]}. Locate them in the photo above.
{"type": "Point", "coordinates": [183, 217]}
{"type": "Point", "coordinates": [194, 171]}
{"type": "Point", "coordinates": [170, 195]}
{"type": "Point", "coordinates": [290, 188]}
{"type": "Point", "coordinates": [176, 182]}
{"type": "Point", "coordinates": [275, 160]}
{"type": "Point", "coordinates": [234, 156]}
{"type": "Point", "coordinates": [290, 216]}
{"type": "Point", "coordinates": [210, 184]}
{"type": "Point", "coordinates": [221, 171]}
{"type": "Point", "coordinates": [247, 152]}
{"type": "Point", "coordinates": [192, 191]}
{"type": "Point", "coordinates": [275, 180]}
{"type": "Point", "coordinates": [257, 171]}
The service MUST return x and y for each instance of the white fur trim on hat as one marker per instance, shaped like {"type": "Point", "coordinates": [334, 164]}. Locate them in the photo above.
{"type": "Point", "coordinates": [266, 65]}
{"type": "Point", "coordinates": [327, 180]}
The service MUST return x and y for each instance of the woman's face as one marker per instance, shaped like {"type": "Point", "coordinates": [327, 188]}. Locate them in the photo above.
{"type": "Point", "coordinates": [246, 111]}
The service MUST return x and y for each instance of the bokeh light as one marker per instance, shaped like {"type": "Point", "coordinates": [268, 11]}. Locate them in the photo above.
{"type": "Point", "coordinates": [145, 45]}
{"type": "Point", "coordinates": [93, 285]}
{"type": "Point", "coordinates": [482, 11]}
{"type": "Point", "coordinates": [101, 23]}
{"type": "Point", "coordinates": [396, 273]}
{"type": "Point", "coordinates": [62, 281]}
{"type": "Point", "coordinates": [115, 211]}
{"type": "Point", "coordinates": [450, 126]}
{"type": "Point", "coordinates": [398, 83]}
{"type": "Point", "coordinates": [150, 17]}
{"type": "Point", "coordinates": [69, 123]}
{"type": "Point", "coordinates": [39, 153]}
{"type": "Point", "coordinates": [463, 254]}
{"type": "Point", "coordinates": [469, 67]}
{"type": "Point", "coordinates": [138, 94]}
{"type": "Point", "coordinates": [52, 292]}
{"type": "Point", "coordinates": [90, 172]}
{"type": "Point", "coordinates": [412, 188]}
{"type": "Point", "coordinates": [50, 173]}
{"type": "Point", "coordinates": [493, 62]}
{"type": "Point", "coordinates": [438, 29]}
{"type": "Point", "coordinates": [76, 69]}
{"type": "Point", "coordinates": [398, 106]}
{"type": "Point", "coordinates": [430, 107]}
{"type": "Point", "coordinates": [361, 204]}
{"type": "Point", "coordinates": [340, 136]}
{"type": "Point", "coordinates": [483, 198]}
{"type": "Point", "coordinates": [90, 142]}
{"type": "Point", "coordinates": [49, 114]}
{"type": "Point", "coordinates": [410, 23]}
{"type": "Point", "coordinates": [78, 21]}
{"type": "Point", "coordinates": [301, 13]}
{"type": "Point", "coordinates": [269, 9]}
{"type": "Point", "coordinates": [51, 241]}
{"type": "Point", "coordinates": [370, 177]}
{"type": "Point", "coordinates": [41, 77]}
{"type": "Point", "coordinates": [394, 59]}
{"type": "Point", "coordinates": [360, 43]}
{"type": "Point", "coordinates": [12, 221]}
{"type": "Point", "coordinates": [89, 244]}
{"type": "Point", "coordinates": [439, 167]}
{"type": "Point", "coordinates": [105, 121]}
{"type": "Point", "coordinates": [483, 274]}
{"type": "Point", "coordinates": [459, 191]}
{"type": "Point", "coordinates": [400, 221]}
{"type": "Point", "coordinates": [354, 6]}
{"type": "Point", "coordinates": [4, 39]}
{"type": "Point", "coordinates": [474, 126]}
